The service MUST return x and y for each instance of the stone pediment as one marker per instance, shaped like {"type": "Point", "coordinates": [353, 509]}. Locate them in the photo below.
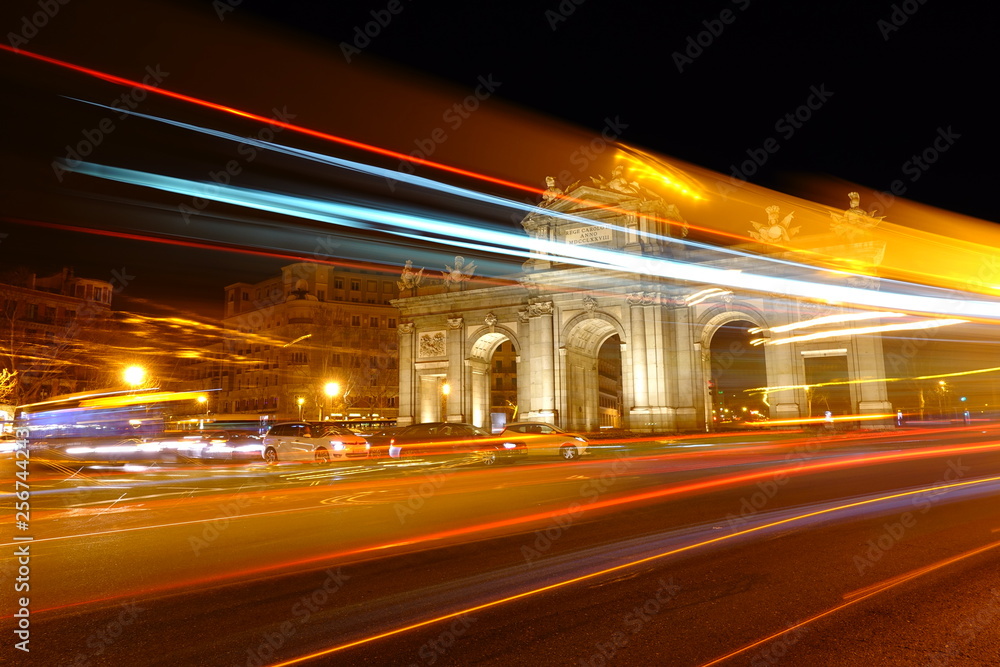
{"type": "Point", "coordinates": [597, 216]}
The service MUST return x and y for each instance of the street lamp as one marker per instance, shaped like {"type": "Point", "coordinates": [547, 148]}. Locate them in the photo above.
{"type": "Point", "coordinates": [134, 376]}
{"type": "Point", "coordinates": [202, 408]}
{"type": "Point", "coordinates": [445, 390]}
{"type": "Point", "coordinates": [332, 390]}
{"type": "Point", "coordinates": [300, 401]}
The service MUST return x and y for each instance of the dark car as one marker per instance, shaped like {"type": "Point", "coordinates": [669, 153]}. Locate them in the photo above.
{"type": "Point", "coordinates": [450, 439]}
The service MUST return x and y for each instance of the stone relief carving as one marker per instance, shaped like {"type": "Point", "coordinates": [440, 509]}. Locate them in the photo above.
{"type": "Point", "coordinates": [431, 344]}
{"type": "Point", "coordinates": [590, 304]}
{"type": "Point", "coordinates": [540, 308]}
{"type": "Point", "coordinates": [410, 279]}
{"type": "Point", "coordinates": [405, 328]}
{"type": "Point", "coordinates": [522, 316]}
{"type": "Point", "coordinates": [456, 276]}
{"type": "Point", "coordinates": [455, 322]}
{"type": "Point", "coordinates": [774, 230]}
{"type": "Point", "coordinates": [552, 193]}
{"type": "Point", "coordinates": [491, 320]}
{"type": "Point", "coordinates": [855, 222]}
{"type": "Point", "coordinates": [617, 182]}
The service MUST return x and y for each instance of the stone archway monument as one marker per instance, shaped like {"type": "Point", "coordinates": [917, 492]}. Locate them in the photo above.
{"type": "Point", "coordinates": [557, 316]}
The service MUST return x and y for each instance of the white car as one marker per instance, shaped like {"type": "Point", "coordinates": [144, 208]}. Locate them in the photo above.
{"type": "Point", "coordinates": [312, 441]}
{"type": "Point", "coordinates": [547, 440]}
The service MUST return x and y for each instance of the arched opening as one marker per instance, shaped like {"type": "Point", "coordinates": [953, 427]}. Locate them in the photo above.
{"type": "Point", "coordinates": [493, 360]}
{"type": "Point", "coordinates": [609, 383]}
{"type": "Point", "coordinates": [503, 385]}
{"type": "Point", "coordinates": [593, 376]}
{"type": "Point", "coordinates": [736, 367]}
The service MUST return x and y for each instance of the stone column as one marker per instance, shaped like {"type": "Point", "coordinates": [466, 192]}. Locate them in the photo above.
{"type": "Point", "coordinates": [407, 381]}
{"type": "Point", "coordinates": [685, 413]}
{"type": "Point", "coordinates": [542, 361]}
{"type": "Point", "coordinates": [640, 386]}
{"type": "Point", "coordinates": [461, 392]}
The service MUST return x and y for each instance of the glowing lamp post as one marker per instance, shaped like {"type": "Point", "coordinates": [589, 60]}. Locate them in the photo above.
{"type": "Point", "coordinates": [300, 401]}
{"type": "Point", "coordinates": [445, 391]}
{"type": "Point", "coordinates": [332, 390]}
{"type": "Point", "coordinates": [134, 376]}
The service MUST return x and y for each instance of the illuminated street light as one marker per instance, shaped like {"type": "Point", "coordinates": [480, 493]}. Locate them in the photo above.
{"type": "Point", "coordinates": [445, 390]}
{"type": "Point", "coordinates": [134, 375]}
{"type": "Point", "coordinates": [332, 390]}
{"type": "Point", "coordinates": [300, 402]}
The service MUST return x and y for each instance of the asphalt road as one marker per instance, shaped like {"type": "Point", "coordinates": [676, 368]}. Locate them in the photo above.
{"type": "Point", "coordinates": [801, 550]}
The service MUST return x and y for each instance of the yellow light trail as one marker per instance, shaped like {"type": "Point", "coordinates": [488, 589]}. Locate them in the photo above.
{"type": "Point", "coordinates": [908, 326]}
{"type": "Point", "coordinates": [829, 319]}
{"type": "Point", "coordinates": [632, 564]}
{"type": "Point", "coordinates": [976, 371]}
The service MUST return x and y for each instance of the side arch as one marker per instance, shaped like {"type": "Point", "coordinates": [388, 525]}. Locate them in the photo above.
{"type": "Point", "coordinates": [480, 346]}
{"type": "Point", "coordinates": [579, 386]}
{"type": "Point", "coordinates": [709, 324]}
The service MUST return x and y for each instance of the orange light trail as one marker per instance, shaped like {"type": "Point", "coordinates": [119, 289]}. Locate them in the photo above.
{"type": "Point", "coordinates": [122, 81]}
{"type": "Point", "coordinates": [864, 595]}
{"type": "Point", "coordinates": [642, 561]}
{"type": "Point", "coordinates": [365, 551]}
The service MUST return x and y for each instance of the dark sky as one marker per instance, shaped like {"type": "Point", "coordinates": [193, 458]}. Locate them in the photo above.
{"type": "Point", "coordinates": [869, 86]}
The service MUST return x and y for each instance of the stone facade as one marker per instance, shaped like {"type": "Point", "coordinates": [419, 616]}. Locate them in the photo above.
{"type": "Point", "coordinates": [558, 315]}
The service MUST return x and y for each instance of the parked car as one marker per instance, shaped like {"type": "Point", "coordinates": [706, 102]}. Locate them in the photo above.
{"type": "Point", "coordinates": [547, 440]}
{"type": "Point", "coordinates": [446, 439]}
{"type": "Point", "coordinates": [312, 441]}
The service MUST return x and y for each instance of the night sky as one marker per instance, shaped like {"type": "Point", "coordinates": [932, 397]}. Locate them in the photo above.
{"type": "Point", "coordinates": [812, 99]}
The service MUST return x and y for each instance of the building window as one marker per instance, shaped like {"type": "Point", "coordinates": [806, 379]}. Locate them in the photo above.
{"type": "Point", "coordinates": [245, 296]}
{"type": "Point", "coordinates": [321, 295]}
{"type": "Point", "coordinates": [355, 320]}
{"type": "Point", "coordinates": [355, 285]}
{"type": "Point", "coordinates": [498, 364]}
{"type": "Point", "coordinates": [372, 286]}
{"type": "Point", "coordinates": [336, 361]}
{"type": "Point", "coordinates": [513, 382]}
{"type": "Point", "coordinates": [338, 283]}
{"type": "Point", "coordinates": [373, 322]}
{"type": "Point", "coordinates": [392, 322]}
{"type": "Point", "coordinates": [499, 382]}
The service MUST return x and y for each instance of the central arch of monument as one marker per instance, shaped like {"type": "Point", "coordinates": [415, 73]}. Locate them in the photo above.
{"type": "Point", "coordinates": [558, 316]}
